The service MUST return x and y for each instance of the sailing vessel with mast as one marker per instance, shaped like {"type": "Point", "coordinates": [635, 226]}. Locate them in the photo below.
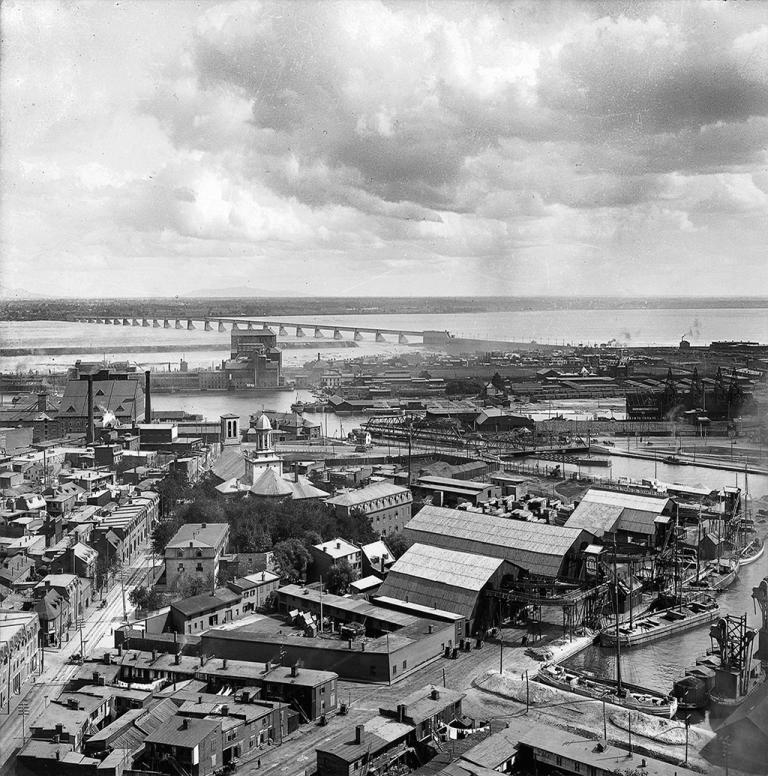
{"type": "Point", "coordinates": [615, 691]}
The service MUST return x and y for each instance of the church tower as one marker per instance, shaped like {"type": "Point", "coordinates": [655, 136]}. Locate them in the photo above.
{"type": "Point", "coordinates": [263, 456]}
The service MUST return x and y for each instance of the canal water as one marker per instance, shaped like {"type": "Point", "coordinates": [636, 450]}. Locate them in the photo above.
{"type": "Point", "coordinates": [657, 665]}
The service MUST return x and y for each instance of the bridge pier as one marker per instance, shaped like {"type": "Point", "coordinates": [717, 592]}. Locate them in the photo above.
{"type": "Point", "coordinates": [318, 333]}
{"type": "Point", "coordinates": [208, 326]}
{"type": "Point", "coordinates": [166, 323]}
{"type": "Point", "coordinates": [282, 332]}
{"type": "Point", "coordinates": [155, 323]}
{"type": "Point", "coordinates": [337, 334]}
{"type": "Point", "coordinates": [402, 339]}
{"type": "Point", "coordinates": [117, 322]}
{"type": "Point", "coordinates": [222, 327]}
{"type": "Point", "coordinates": [250, 326]}
{"type": "Point", "coordinates": [380, 337]}
{"type": "Point", "coordinates": [107, 320]}
{"type": "Point", "coordinates": [300, 332]}
{"type": "Point", "coordinates": [190, 325]}
{"type": "Point", "coordinates": [235, 327]}
{"type": "Point", "coordinates": [178, 324]}
{"type": "Point", "coordinates": [126, 322]}
{"type": "Point", "coordinates": [135, 322]}
{"type": "Point", "coordinates": [144, 322]}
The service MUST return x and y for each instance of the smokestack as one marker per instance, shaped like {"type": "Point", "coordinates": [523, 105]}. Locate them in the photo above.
{"type": "Point", "coordinates": [147, 399]}
{"type": "Point", "coordinates": [359, 733]}
{"type": "Point", "coordinates": [89, 431]}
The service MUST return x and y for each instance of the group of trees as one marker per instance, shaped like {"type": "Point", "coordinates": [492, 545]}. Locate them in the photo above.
{"type": "Point", "coordinates": [285, 527]}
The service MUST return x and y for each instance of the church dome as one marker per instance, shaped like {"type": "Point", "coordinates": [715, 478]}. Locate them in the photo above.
{"type": "Point", "coordinates": [263, 424]}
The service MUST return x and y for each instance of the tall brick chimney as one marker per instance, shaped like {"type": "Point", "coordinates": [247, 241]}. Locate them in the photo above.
{"type": "Point", "coordinates": [147, 399]}
{"type": "Point", "coordinates": [89, 432]}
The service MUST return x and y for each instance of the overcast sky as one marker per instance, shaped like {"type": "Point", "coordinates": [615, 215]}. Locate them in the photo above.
{"type": "Point", "coordinates": [160, 147]}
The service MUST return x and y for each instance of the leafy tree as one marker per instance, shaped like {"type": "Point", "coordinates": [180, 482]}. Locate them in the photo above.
{"type": "Point", "coordinates": [171, 489]}
{"type": "Point", "coordinates": [497, 381]}
{"type": "Point", "coordinates": [195, 585]}
{"type": "Point", "coordinates": [292, 559]}
{"type": "Point", "coordinates": [339, 578]}
{"type": "Point", "coordinates": [146, 598]}
{"type": "Point", "coordinates": [163, 533]}
{"type": "Point", "coordinates": [398, 543]}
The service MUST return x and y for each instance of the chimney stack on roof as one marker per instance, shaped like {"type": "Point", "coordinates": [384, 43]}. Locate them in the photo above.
{"type": "Point", "coordinates": [359, 733]}
{"type": "Point", "coordinates": [89, 431]}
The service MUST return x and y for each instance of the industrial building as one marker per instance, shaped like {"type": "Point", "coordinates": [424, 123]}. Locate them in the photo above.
{"type": "Point", "coordinates": [624, 517]}
{"type": "Point", "coordinates": [535, 549]}
{"type": "Point", "coordinates": [447, 579]}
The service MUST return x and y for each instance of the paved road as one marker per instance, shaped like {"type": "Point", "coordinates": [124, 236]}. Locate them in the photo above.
{"type": "Point", "coordinates": [98, 626]}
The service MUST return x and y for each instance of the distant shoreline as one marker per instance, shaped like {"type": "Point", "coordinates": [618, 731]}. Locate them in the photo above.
{"type": "Point", "coordinates": [199, 308]}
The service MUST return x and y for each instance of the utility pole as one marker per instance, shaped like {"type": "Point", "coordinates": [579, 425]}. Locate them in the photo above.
{"type": "Point", "coordinates": [122, 590]}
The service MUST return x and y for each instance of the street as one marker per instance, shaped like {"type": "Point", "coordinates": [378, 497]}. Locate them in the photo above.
{"type": "Point", "coordinates": [98, 626]}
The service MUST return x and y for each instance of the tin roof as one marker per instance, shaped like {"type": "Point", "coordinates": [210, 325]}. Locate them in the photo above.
{"type": "Point", "coordinates": [537, 547]}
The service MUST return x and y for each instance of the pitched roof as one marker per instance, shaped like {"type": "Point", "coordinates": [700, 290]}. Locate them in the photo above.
{"type": "Point", "coordinates": [197, 604]}
{"type": "Point", "coordinates": [186, 732]}
{"type": "Point", "coordinates": [270, 484]}
{"type": "Point", "coordinates": [440, 578]}
{"type": "Point", "coordinates": [602, 511]}
{"type": "Point", "coordinates": [108, 395]}
{"type": "Point", "coordinates": [200, 534]}
{"type": "Point", "coordinates": [537, 547]}
{"type": "Point", "coordinates": [370, 492]}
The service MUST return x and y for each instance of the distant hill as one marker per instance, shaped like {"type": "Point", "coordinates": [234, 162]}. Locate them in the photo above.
{"type": "Point", "coordinates": [241, 292]}
{"type": "Point", "coordinates": [21, 293]}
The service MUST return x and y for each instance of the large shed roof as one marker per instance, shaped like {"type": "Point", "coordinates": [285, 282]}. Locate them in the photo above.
{"type": "Point", "coordinates": [538, 548]}
{"type": "Point", "coordinates": [602, 511]}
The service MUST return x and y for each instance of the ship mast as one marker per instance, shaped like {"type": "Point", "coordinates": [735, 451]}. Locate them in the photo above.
{"type": "Point", "coordinates": [619, 687]}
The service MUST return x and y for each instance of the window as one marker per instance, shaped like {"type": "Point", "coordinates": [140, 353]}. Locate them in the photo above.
{"type": "Point", "coordinates": [405, 664]}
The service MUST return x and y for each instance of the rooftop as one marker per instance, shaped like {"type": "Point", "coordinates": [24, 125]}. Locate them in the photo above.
{"type": "Point", "coordinates": [201, 534]}
{"type": "Point", "coordinates": [370, 492]}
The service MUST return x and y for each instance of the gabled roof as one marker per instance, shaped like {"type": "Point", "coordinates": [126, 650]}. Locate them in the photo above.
{"type": "Point", "coordinates": [107, 394]}
{"type": "Point", "coordinates": [270, 484]}
{"type": "Point", "coordinates": [602, 511]}
{"type": "Point", "coordinates": [537, 547]}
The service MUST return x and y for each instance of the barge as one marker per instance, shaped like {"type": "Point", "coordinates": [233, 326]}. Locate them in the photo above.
{"type": "Point", "coordinates": [660, 625]}
{"type": "Point", "coordinates": [632, 697]}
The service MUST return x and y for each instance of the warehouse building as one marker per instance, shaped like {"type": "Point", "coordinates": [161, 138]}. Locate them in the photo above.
{"type": "Point", "coordinates": [625, 517]}
{"type": "Point", "coordinates": [535, 549]}
{"type": "Point", "coordinates": [446, 579]}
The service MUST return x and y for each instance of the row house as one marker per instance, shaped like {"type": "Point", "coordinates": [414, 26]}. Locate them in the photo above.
{"type": "Point", "coordinates": [19, 639]}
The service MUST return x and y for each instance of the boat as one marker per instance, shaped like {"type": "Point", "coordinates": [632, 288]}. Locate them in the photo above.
{"type": "Point", "coordinates": [672, 460]}
{"type": "Point", "coordinates": [752, 552]}
{"type": "Point", "coordinates": [588, 461]}
{"type": "Point", "coordinates": [692, 690]}
{"type": "Point", "coordinates": [716, 576]}
{"type": "Point", "coordinates": [661, 624]}
{"type": "Point", "coordinates": [585, 683]}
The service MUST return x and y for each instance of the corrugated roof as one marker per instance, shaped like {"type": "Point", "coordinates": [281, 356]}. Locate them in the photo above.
{"type": "Point", "coordinates": [450, 567]}
{"type": "Point", "coordinates": [602, 511]}
{"type": "Point", "coordinates": [631, 500]}
{"type": "Point", "coordinates": [537, 547]}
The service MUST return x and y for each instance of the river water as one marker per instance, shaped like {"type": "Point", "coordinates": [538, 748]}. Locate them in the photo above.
{"type": "Point", "coordinates": [630, 327]}
{"type": "Point", "coordinates": [656, 665]}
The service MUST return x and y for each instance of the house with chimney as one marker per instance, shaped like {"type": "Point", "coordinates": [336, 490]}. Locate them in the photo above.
{"type": "Point", "coordinates": [393, 736]}
{"type": "Point", "coordinates": [328, 554]}
{"type": "Point", "coordinates": [195, 551]}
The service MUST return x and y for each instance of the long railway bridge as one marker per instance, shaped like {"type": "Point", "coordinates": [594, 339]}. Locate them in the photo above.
{"type": "Point", "coordinates": [319, 330]}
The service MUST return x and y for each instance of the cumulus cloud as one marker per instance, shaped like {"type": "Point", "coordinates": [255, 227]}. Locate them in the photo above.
{"type": "Point", "coordinates": [476, 148]}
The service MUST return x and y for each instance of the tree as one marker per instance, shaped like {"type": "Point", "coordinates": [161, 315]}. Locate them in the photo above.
{"type": "Point", "coordinates": [146, 598]}
{"type": "Point", "coordinates": [171, 489]}
{"type": "Point", "coordinates": [195, 585]}
{"type": "Point", "coordinates": [163, 532]}
{"type": "Point", "coordinates": [340, 576]}
{"type": "Point", "coordinates": [398, 543]}
{"type": "Point", "coordinates": [292, 559]}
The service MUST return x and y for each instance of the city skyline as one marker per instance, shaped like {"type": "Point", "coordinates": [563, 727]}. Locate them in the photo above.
{"type": "Point", "coordinates": [172, 148]}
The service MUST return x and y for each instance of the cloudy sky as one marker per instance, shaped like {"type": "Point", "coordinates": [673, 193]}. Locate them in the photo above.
{"type": "Point", "coordinates": [161, 147]}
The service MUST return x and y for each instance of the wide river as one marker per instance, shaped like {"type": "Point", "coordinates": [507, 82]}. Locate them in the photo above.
{"type": "Point", "coordinates": [656, 665]}
{"type": "Point", "coordinates": [629, 327]}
